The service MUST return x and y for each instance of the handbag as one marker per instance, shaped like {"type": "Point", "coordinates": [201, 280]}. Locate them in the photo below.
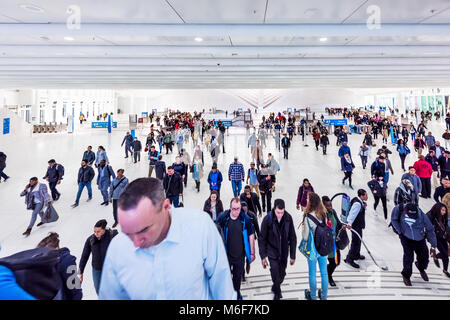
{"type": "Point", "coordinates": [307, 248]}
{"type": "Point", "coordinates": [342, 240]}
{"type": "Point", "coordinates": [146, 149]}
{"type": "Point", "coordinates": [50, 215]}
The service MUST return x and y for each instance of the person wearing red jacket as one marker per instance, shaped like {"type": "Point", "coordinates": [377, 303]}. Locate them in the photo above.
{"type": "Point", "coordinates": [424, 171]}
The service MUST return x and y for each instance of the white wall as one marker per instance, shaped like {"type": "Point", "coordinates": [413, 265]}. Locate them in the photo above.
{"type": "Point", "coordinates": [136, 101]}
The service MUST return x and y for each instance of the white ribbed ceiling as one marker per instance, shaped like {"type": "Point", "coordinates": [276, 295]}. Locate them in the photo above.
{"type": "Point", "coordinates": [246, 44]}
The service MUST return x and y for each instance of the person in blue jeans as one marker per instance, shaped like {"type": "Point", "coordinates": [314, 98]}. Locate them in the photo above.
{"type": "Point", "coordinates": [85, 175]}
{"type": "Point", "coordinates": [97, 244]}
{"type": "Point", "coordinates": [316, 209]}
{"type": "Point", "coordinates": [236, 175]}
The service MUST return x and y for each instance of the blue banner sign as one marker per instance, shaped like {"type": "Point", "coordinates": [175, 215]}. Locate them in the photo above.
{"type": "Point", "coordinates": [6, 122]}
{"type": "Point", "coordinates": [336, 122]}
{"type": "Point", "coordinates": [102, 125]}
{"type": "Point", "coordinates": [226, 123]}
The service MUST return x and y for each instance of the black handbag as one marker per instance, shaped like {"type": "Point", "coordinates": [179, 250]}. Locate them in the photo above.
{"type": "Point", "coordinates": [342, 239]}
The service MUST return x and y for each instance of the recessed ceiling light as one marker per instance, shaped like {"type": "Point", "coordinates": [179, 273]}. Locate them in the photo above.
{"type": "Point", "coordinates": [31, 8]}
{"type": "Point", "coordinates": [69, 38]}
{"type": "Point", "coordinates": [323, 39]}
{"type": "Point", "coordinates": [198, 39]}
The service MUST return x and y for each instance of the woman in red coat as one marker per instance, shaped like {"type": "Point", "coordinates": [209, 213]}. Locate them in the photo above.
{"type": "Point", "coordinates": [424, 171]}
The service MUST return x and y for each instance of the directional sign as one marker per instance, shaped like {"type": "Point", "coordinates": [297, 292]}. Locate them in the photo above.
{"type": "Point", "coordinates": [6, 122]}
{"type": "Point", "coordinates": [102, 125]}
{"type": "Point", "coordinates": [336, 122]}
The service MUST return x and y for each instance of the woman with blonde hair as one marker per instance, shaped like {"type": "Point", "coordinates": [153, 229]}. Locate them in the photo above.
{"type": "Point", "coordinates": [315, 212]}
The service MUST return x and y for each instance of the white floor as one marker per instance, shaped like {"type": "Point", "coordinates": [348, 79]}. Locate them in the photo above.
{"type": "Point", "coordinates": [27, 158]}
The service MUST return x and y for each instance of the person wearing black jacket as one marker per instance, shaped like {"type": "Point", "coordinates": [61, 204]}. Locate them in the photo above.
{"type": "Point", "coordinates": [378, 168]}
{"type": "Point", "coordinates": [128, 140]}
{"type": "Point", "coordinates": [213, 205]}
{"type": "Point", "coordinates": [439, 218]}
{"type": "Point", "coordinates": [444, 164]}
{"type": "Point", "coordinates": [54, 176]}
{"type": "Point", "coordinates": [181, 168]}
{"type": "Point", "coordinates": [97, 244]}
{"type": "Point", "coordinates": [324, 141]}
{"type": "Point", "coordinates": [89, 156]}
{"type": "Point", "coordinates": [442, 190]}
{"type": "Point", "coordinates": [286, 144]}
{"type": "Point", "coordinates": [254, 218]}
{"type": "Point", "coordinates": [252, 200]}
{"type": "Point", "coordinates": [160, 168]}
{"type": "Point", "coordinates": [85, 176]}
{"type": "Point", "coordinates": [265, 188]}
{"type": "Point", "coordinates": [66, 268]}
{"type": "Point", "coordinates": [173, 186]}
{"type": "Point", "coordinates": [277, 240]}
{"type": "Point", "coordinates": [3, 166]}
{"type": "Point", "coordinates": [378, 188]}
{"type": "Point", "coordinates": [137, 147]}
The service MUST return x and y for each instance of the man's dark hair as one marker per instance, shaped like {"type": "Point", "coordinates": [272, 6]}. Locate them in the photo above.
{"type": "Point", "coordinates": [411, 167]}
{"type": "Point", "coordinates": [361, 192]}
{"type": "Point", "coordinates": [101, 224]}
{"type": "Point", "coordinates": [247, 187]}
{"type": "Point", "coordinates": [51, 161]}
{"type": "Point", "coordinates": [325, 199]}
{"type": "Point", "coordinates": [122, 170]}
{"type": "Point", "coordinates": [278, 203]}
{"type": "Point", "coordinates": [170, 167]}
{"type": "Point", "coordinates": [33, 179]}
{"type": "Point", "coordinates": [150, 188]}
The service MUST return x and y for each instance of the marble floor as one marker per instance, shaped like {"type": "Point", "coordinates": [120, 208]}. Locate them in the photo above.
{"type": "Point", "coordinates": [28, 157]}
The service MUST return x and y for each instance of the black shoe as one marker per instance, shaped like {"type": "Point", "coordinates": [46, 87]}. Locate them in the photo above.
{"type": "Point", "coordinates": [106, 203]}
{"type": "Point", "coordinates": [74, 205]}
{"type": "Point", "coordinates": [27, 232]}
{"type": "Point", "coordinates": [115, 224]}
{"type": "Point", "coordinates": [247, 268]}
{"type": "Point", "coordinates": [126, 157]}
{"type": "Point", "coordinates": [446, 273]}
{"type": "Point", "coordinates": [436, 262]}
{"type": "Point", "coordinates": [331, 281]}
{"type": "Point", "coordinates": [89, 199]}
{"type": "Point", "coordinates": [39, 224]}
{"type": "Point", "coordinates": [361, 257]}
{"type": "Point", "coordinates": [57, 197]}
{"type": "Point", "coordinates": [407, 281]}
{"type": "Point", "coordinates": [423, 274]}
{"type": "Point", "coordinates": [352, 263]}
{"type": "Point", "coordinates": [277, 296]}
{"type": "Point", "coordinates": [6, 179]}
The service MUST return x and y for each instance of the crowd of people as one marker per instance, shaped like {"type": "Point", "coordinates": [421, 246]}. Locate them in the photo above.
{"type": "Point", "coordinates": [217, 249]}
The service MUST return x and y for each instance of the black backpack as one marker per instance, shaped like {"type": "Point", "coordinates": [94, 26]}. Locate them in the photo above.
{"type": "Point", "coordinates": [36, 271]}
{"type": "Point", "coordinates": [323, 237]}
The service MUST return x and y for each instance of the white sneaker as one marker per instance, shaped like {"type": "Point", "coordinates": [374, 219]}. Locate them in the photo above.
{"type": "Point", "coordinates": [375, 213]}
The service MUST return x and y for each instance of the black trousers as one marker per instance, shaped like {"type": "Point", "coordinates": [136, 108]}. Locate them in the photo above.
{"type": "Point", "coordinates": [355, 248]}
{"type": "Point", "coordinates": [426, 187]}
{"type": "Point", "coordinates": [115, 209]}
{"type": "Point", "coordinates": [137, 156]}
{"type": "Point", "coordinates": [285, 153]}
{"type": "Point", "coordinates": [442, 246]}
{"type": "Point", "coordinates": [383, 201]}
{"type": "Point", "coordinates": [332, 263]}
{"type": "Point", "coordinates": [409, 248]}
{"type": "Point", "coordinates": [266, 198]}
{"type": "Point", "coordinates": [402, 159]}
{"type": "Point", "coordinates": [348, 175]}
{"type": "Point", "coordinates": [317, 142]}
{"type": "Point", "coordinates": [277, 272]}
{"type": "Point", "coordinates": [52, 186]}
{"type": "Point", "coordinates": [185, 180]}
{"type": "Point", "coordinates": [237, 269]}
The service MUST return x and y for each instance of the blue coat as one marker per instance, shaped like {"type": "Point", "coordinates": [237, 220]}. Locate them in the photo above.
{"type": "Point", "coordinates": [67, 260]}
{"type": "Point", "coordinates": [105, 181]}
{"type": "Point", "coordinates": [101, 155]}
{"type": "Point", "coordinates": [343, 150]}
{"type": "Point", "coordinates": [346, 166]}
{"type": "Point", "coordinates": [119, 188]}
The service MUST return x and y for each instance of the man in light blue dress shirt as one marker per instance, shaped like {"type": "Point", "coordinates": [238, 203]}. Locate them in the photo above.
{"type": "Point", "coordinates": [164, 252]}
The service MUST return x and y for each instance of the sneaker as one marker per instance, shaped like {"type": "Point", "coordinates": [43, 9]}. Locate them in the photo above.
{"type": "Point", "coordinates": [423, 274]}
{"type": "Point", "coordinates": [6, 179]}
{"type": "Point", "coordinates": [74, 205]}
{"type": "Point", "coordinates": [407, 281]}
{"type": "Point", "coordinates": [352, 263]}
{"type": "Point", "coordinates": [89, 199]}
{"type": "Point", "coordinates": [40, 224]}
{"type": "Point", "coordinates": [351, 187]}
